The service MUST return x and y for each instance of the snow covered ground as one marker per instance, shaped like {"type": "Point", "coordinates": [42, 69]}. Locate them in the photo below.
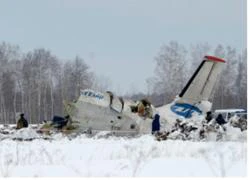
{"type": "Point", "coordinates": [120, 156]}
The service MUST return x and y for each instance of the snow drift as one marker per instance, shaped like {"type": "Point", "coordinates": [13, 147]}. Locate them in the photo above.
{"type": "Point", "coordinates": [121, 156]}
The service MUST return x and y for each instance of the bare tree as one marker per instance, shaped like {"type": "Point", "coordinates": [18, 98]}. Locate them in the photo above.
{"type": "Point", "coordinates": [8, 55]}
{"type": "Point", "coordinates": [101, 83]}
{"type": "Point", "coordinates": [170, 71]}
{"type": "Point", "coordinates": [241, 81]}
{"type": "Point", "coordinates": [230, 74]}
{"type": "Point", "coordinates": [76, 76]}
{"type": "Point", "coordinates": [197, 52]}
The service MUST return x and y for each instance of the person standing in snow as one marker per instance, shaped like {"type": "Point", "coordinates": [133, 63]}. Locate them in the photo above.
{"type": "Point", "coordinates": [156, 124]}
{"type": "Point", "coordinates": [22, 122]}
{"type": "Point", "coordinates": [209, 116]}
{"type": "Point", "coordinates": [220, 120]}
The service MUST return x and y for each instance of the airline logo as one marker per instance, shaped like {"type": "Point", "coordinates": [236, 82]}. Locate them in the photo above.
{"type": "Point", "coordinates": [90, 93]}
{"type": "Point", "coordinates": [185, 110]}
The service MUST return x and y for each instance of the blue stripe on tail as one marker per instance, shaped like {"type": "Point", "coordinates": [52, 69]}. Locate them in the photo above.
{"type": "Point", "coordinates": [185, 110]}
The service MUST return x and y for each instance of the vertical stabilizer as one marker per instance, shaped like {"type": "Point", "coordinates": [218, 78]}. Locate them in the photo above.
{"type": "Point", "coordinates": [195, 95]}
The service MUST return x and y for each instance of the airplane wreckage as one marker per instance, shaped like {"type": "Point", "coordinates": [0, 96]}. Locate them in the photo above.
{"type": "Point", "coordinates": [96, 111]}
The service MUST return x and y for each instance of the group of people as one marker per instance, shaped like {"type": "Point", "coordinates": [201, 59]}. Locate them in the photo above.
{"type": "Point", "coordinates": [58, 121]}
{"type": "Point", "coordinates": [219, 119]}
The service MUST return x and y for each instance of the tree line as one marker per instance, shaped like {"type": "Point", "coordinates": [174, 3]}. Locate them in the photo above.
{"type": "Point", "coordinates": [175, 64]}
{"type": "Point", "coordinates": [37, 82]}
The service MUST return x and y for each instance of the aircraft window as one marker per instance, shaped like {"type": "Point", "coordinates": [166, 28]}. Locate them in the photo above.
{"type": "Point", "coordinates": [132, 126]}
{"type": "Point", "coordinates": [90, 94]}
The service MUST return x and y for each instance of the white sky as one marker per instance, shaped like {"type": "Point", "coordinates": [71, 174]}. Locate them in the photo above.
{"type": "Point", "coordinates": [119, 39]}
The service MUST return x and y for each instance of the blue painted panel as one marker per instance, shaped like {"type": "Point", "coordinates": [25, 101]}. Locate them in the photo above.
{"type": "Point", "coordinates": [185, 110]}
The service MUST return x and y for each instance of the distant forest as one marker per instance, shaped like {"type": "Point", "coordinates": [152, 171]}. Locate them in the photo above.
{"type": "Point", "coordinates": [37, 82]}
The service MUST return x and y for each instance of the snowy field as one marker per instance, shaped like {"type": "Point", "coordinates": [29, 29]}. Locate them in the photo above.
{"type": "Point", "coordinates": [122, 157]}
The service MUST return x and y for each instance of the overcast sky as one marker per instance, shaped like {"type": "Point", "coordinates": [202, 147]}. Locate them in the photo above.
{"type": "Point", "coordinates": [119, 39]}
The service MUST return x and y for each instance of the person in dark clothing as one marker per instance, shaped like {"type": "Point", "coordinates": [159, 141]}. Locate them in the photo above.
{"type": "Point", "coordinates": [220, 120]}
{"type": "Point", "coordinates": [209, 116]}
{"type": "Point", "coordinates": [156, 124]}
{"type": "Point", "coordinates": [22, 122]}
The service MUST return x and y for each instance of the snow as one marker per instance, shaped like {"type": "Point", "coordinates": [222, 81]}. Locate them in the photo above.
{"type": "Point", "coordinates": [101, 156]}
{"type": "Point", "coordinates": [25, 134]}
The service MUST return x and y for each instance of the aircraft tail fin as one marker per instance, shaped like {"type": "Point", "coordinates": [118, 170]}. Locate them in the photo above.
{"type": "Point", "coordinates": [195, 95]}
